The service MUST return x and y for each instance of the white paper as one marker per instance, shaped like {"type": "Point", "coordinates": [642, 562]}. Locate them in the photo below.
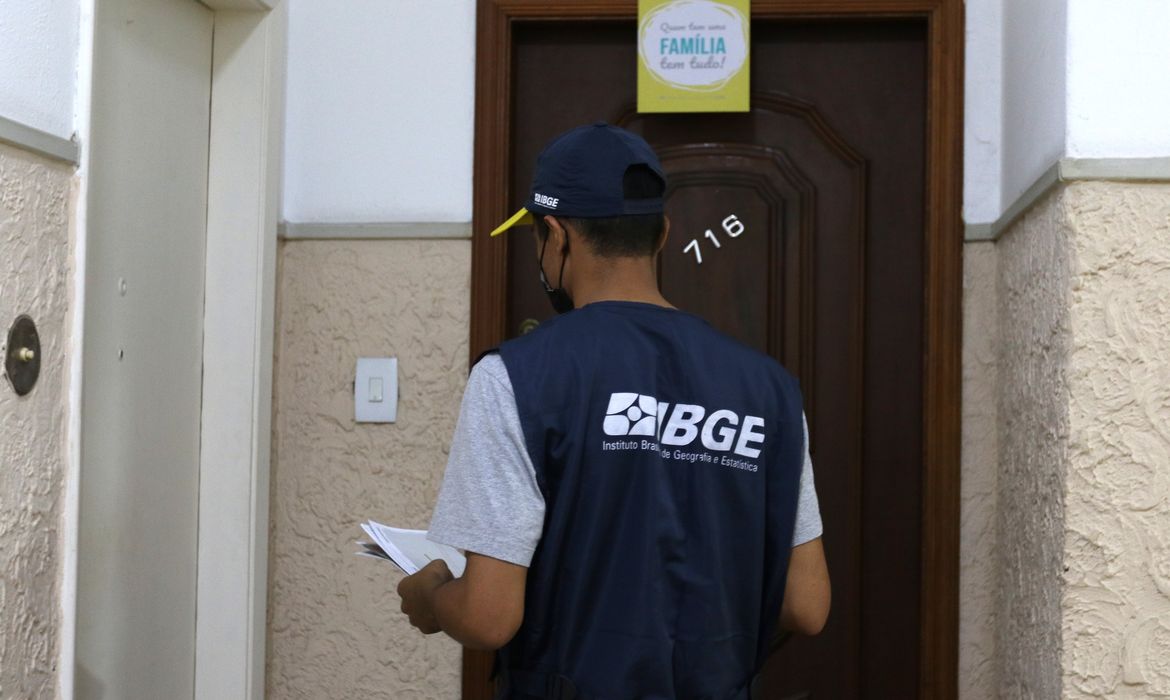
{"type": "Point", "coordinates": [410, 549]}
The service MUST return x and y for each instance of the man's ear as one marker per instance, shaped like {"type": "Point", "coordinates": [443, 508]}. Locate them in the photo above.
{"type": "Point", "coordinates": [558, 234]}
{"type": "Point", "coordinates": [665, 233]}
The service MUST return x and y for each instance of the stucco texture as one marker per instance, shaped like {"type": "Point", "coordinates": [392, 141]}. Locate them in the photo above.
{"type": "Point", "coordinates": [978, 576]}
{"type": "Point", "coordinates": [334, 625]}
{"type": "Point", "coordinates": [1116, 599]}
{"type": "Point", "coordinates": [1084, 441]}
{"type": "Point", "coordinates": [1033, 288]}
{"type": "Point", "coordinates": [35, 279]}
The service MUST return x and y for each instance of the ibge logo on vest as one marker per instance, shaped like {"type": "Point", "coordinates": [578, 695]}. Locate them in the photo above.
{"type": "Point", "coordinates": [673, 430]}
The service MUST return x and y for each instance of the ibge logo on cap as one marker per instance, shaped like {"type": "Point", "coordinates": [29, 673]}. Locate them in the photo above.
{"type": "Point", "coordinates": [680, 425]}
{"type": "Point", "coordinates": [546, 201]}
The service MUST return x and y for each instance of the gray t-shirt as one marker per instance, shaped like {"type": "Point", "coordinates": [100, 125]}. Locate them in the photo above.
{"type": "Point", "coordinates": [490, 502]}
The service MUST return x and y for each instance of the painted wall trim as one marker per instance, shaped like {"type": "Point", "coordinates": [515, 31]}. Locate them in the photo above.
{"type": "Point", "coordinates": [71, 500]}
{"type": "Point", "coordinates": [1071, 170]}
{"type": "Point", "coordinates": [245, 5]}
{"type": "Point", "coordinates": [16, 134]}
{"type": "Point", "coordinates": [1116, 169]}
{"type": "Point", "coordinates": [294, 230]}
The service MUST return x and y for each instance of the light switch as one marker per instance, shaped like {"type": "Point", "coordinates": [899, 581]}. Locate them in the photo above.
{"type": "Point", "coordinates": [375, 398]}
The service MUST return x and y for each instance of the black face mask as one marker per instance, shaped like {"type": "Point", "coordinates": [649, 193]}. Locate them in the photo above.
{"type": "Point", "coordinates": [558, 297]}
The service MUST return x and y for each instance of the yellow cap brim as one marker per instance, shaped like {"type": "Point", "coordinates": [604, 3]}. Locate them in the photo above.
{"type": "Point", "coordinates": [520, 218]}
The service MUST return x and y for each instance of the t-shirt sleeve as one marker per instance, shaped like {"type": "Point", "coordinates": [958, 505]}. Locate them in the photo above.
{"type": "Point", "coordinates": [490, 502]}
{"type": "Point", "coordinates": [808, 509]}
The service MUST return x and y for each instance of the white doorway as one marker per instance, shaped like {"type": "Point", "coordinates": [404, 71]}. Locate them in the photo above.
{"type": "Point", "coordinates": [143, 349]}
{"type": "Point", "coordinates": [180, 226]}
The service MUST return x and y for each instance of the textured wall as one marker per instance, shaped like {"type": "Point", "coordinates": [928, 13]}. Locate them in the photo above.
{"type": "Point", "coordinates": [1033, 319]}
{"type": "Point", "coordinates": [335, 630]}
{"type": "Point", "coordinates": [1084, 442]}
{"type": "Point", "coordinates": [1066, 331]}
{"type": "Point", "coordinates": [978, 575]}
{"type": "Point", "coordinates": [36, 279]}
{"type": "Point", "coordinates": [1117, 580]}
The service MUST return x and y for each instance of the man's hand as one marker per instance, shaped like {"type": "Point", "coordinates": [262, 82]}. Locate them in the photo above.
{"type": "Point", "coordinates": [418, 595]}
{"type": "Point", "coordinates": [481, 610]}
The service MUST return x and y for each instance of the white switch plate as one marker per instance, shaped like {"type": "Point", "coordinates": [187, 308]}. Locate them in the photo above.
{"type": "Point", "coordinates": [375, 390]}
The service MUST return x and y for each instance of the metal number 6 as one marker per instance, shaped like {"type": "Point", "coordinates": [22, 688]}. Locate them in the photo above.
{"type": "Point", "coordinates": [733, 226]}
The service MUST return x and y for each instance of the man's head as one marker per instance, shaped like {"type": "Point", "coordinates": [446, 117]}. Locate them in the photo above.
{"type": "Point", "coordinates": [624, 235]}
{"type": "Point", "coordinates": [597, 196]}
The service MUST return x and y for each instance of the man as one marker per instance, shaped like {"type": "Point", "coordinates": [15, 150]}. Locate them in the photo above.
{"type": "Point", "coordinates": [631, 486]}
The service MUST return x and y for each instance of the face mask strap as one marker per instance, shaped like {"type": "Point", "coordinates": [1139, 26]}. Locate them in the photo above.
{"type": "Point", "coordinates": [558, 297]}
{"type": "Point", "coordinates": [540, 264]}
{"type": "Point", "coordinates": [564, 259]}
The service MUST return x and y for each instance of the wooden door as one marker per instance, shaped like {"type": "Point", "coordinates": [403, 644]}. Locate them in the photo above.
{"type": "Point", "coordinates": [799, 228]}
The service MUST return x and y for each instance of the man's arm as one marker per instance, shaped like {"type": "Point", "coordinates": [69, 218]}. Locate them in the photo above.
{"type": "Point", "coordinates": [491, 506]}
{"type": "Point", "coordinates": [484, 608]}
{"type": "Point", "coordinates": [807, 593]}
{"type": "Point", "coordinates": [480, 610]}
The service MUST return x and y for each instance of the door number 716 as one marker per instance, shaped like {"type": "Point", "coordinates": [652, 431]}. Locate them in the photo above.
{"type": "Point", "coordinates": [732, 225]}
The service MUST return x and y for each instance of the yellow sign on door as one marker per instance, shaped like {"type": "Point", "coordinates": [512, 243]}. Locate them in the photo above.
{"type": "Point", "coordinates": [693, 55]}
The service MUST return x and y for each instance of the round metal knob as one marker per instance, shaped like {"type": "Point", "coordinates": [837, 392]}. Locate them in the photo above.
{"type": "Point", "coordinates": [22, 361]}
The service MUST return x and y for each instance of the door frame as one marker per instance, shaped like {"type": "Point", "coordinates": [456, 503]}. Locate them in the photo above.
{"type": "Point", "coordinates": [243, 197]}
{"type": "Point", "coordinates": [942, 288]}
{"type": "Point", "coordinates": [243, 194]}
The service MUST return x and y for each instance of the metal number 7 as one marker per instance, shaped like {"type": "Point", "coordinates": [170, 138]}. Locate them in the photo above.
{"type": "Point", "coordinates": [694, 244]}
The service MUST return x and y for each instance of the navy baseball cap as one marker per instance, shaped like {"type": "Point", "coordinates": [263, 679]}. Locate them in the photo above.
{"type": "Point", "coordinates": [581, 172]}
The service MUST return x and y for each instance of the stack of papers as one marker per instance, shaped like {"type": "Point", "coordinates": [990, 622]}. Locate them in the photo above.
{"type": "Point", "coordinates": [409, 549]}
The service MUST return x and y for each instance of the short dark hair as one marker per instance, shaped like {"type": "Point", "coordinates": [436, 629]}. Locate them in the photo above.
{"type": "Point", "coordinates": [632, 235]}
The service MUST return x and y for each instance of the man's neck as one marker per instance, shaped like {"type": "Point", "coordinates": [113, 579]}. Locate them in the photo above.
{"type": "Point", "coordinates": [619, 279]}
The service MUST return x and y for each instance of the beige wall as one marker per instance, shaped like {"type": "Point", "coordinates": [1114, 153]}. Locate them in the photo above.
{"type": "Point", "coordinates": [36, 278]}
{"type": "Point", "coordinates": [978, 575]}
{"type": "Point", "coordinates": [1032, 299]}
{"type": "Point", "coordinates": [1065, 583]}
{"type": "Point", "coordinates": [333, 618]}
{"type": "Point", "coordinates": [335, 630]}
{"type": "Point", "coordinates": [1084, 469]}
{"type": "Point", "coordinates": [334, 623]}
{"type": "Point", "coordinates": [1116, 599]}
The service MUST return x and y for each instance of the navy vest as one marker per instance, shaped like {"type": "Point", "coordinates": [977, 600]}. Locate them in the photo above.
{"type": "Point", "coordinates": [669, 457]}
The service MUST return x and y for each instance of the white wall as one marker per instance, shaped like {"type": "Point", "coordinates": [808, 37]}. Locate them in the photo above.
{"type": "Point", "coordinates": [983, 123]}
{"type": "Point", "coordinates": [379, 121]}
{"type": "Point", "coordinates": [380, 111]}
{"type": "Point", "coordinates": [1118, 79]}
{"type": "Point", "coordinates": [1048, 79]}
{"type": "Point", "coordinates": [38, 63]}
{"type": "Point", "coordinates": [1033, 92]}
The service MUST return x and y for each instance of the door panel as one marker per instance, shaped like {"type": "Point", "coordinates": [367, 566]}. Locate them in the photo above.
{"type": "Point", "coordinates": [744, 206]}
{"type": "Point", "coordinates": [826, 176]}
{"type": "Point", "coordinates": [143, 349]}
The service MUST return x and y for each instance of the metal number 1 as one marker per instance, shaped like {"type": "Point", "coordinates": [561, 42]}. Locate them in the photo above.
{"type": "Point", "coordinates": [714, 240]}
